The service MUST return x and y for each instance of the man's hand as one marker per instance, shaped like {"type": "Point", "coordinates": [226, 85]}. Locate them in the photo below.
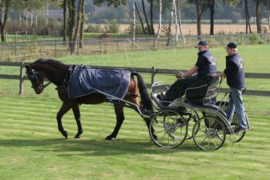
{"type": "Point", "coordinates": [179, 75]}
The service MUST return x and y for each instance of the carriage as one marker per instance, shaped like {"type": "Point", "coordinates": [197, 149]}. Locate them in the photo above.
{"type": "Point", "coordinates": [197, 115]}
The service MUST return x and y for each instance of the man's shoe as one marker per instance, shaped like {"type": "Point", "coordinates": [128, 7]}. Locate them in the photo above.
{"type": "Point", "coordinates": [241, 130]}
{"type": "Point", "coordinates": [161, 96]}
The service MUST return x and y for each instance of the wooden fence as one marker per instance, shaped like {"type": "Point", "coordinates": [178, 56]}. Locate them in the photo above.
{"type": "Point", "coordinates": [153, 71]}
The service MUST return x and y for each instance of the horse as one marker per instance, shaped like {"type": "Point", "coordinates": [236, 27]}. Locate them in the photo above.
{"type": "Point", "coordinates": [59, 74]}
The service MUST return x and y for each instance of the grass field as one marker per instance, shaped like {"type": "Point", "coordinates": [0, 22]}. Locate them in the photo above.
{"type": "Point", "coordinates": [32, 148]}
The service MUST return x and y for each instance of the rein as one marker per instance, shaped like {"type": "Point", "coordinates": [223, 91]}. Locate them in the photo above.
{"type": "Point", "coordinates": [44, 86]}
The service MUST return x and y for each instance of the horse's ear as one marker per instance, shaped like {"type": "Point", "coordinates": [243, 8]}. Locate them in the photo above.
{"type": "Point", "coordinates": [27, 68]}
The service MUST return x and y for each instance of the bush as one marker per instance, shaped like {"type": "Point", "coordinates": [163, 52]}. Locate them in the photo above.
{"type": "Point", "coordinates": [235, 17]}
{"type": "Point", "coordinates": [94, 29]}
{"type": "Point", "coordinates": [113, 27]}
{"type": "Point", "coordinates": [138, 28]}
{"type": "Point", "coordinates": [55, 28]}
{"type": "Point", "coordinates": [255, 39]}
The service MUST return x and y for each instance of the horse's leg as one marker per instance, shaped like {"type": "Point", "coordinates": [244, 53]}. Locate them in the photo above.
{"type": "Point", "coordinates": [119, 111]}
{"type": "Point", "coordinates": [77, 115]}
{"type": "Point", "coordinates": [65, 108]}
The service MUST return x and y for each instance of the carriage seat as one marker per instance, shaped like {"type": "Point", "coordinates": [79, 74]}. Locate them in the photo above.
{"type": "Point", "coordinates": [202, 92]}
{"type": "Point", "coordinates": [156, 89]}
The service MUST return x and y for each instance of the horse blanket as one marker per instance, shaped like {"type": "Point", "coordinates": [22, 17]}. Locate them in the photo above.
{"type": "Point", "coordinates": [110, 82]}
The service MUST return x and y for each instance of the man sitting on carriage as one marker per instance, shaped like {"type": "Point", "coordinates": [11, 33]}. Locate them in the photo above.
{"type": "Point", "coordinates": [205, 67]}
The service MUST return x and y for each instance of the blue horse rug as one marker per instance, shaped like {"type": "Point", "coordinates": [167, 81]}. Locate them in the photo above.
{"type": "Point", "coordinates": [110, 82]}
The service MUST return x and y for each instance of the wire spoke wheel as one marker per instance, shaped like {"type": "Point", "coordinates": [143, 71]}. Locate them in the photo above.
{"type": "Point", "coordinates": [209, 133]}
{"type": "Point", "coordinates": [234, 137]}
{"type": "Point", "coordinates": [169, 129]}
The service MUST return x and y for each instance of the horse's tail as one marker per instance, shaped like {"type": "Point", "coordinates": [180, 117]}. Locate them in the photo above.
{"type": "Point", "coordinates": [145, 98]}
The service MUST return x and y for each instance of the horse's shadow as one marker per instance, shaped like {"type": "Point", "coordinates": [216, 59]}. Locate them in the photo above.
{"type": "Point", "coordinates": [82, 147]}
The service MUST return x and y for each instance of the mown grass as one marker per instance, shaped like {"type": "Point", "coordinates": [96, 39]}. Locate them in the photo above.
{"type": "Point", "coordinates": [32, 148]}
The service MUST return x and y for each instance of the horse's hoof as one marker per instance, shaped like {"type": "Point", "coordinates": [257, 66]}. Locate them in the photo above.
{"type": "Point", "coordinates": [65, 134]}
{"type": "Point", "coordinates": [77, 136]}
{"type": "Point", "coordinates": [108, 138]}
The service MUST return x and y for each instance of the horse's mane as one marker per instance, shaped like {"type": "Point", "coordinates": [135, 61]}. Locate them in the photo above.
{"type": "Point", "coordinates": [51, 62]}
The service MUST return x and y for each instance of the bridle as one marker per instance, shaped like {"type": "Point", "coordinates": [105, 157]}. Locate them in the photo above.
{"type": "Point", "coordinates": [33, 77]}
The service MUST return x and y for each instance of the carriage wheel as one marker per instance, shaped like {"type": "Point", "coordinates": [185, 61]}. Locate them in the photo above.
{"type": "Point", "coordinates": [235, 137]}
{"type": "Point", "coordinates": [209, 133]}
{"type": "Point", "coordinates": [170, 129]}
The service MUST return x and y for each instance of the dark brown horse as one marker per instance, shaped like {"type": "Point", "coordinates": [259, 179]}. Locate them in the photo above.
{"type": "Point", "coordinates": [59, 74]}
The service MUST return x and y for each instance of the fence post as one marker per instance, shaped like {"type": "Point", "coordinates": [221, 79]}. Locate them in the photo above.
{"type": "Point", "coordinates": [22, 79]}
{"type": "Point", "coordinates": [153, 75]}
{"type": "Point", "coordinates": [16, 43]}
{"type": "Point", "coordinates": [117, 44]}
{"type": "Point", "coordinates": [100, 42]}
{"type": "Point", "coordinates": [78, 43]}
{"type": "Point", "coordinates": [54, 47]}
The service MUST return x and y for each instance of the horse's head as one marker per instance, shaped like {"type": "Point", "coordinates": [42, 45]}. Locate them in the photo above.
{"type": "Point", "coordinates": [36, 79]}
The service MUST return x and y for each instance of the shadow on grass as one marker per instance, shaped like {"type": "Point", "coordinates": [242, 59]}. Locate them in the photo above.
{"type": "Point", "coordinates": [73, 147]}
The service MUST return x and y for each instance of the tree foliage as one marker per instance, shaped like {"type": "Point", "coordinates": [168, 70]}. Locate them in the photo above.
{"type": "Point", "coordinates": [115, 3]}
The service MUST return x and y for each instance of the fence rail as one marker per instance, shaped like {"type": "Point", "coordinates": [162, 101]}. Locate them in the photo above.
{"type": "Point", "coordinates": [153, 71]}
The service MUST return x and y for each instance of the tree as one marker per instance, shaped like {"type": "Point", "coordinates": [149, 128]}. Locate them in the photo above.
{"type": "Point", "coordinates": [146, 19]}
{"type": "Point", "coordinates": [160, 18]}
{"type": "Point", "coordinates": [212, 15]}
{"type": "Point", "coordinates": [248, 28]}
{"type": "Point", "coordinates": [268, 18]}
{"type": "Point", "coordinates": [5, 6]}
{"type": "Point", "coordinates": [115, 3]}
{"type": "Point", "coordinates": [140, 18]}
{"type": "Point", "coordinates": [178, 14]}
{"type": "Point", "coordinates": [134, 21]}
{"type": "Point", "coordinates": [151, 17]}
{"type": "Point", "coordinates": [258, 15]}
{"type": "Point", "coordinates": [201, 7]}
{"type": "Point", "coordinates": [169, 40]}
{"type": "Point", "coordinates": [71, 25]}
{"type": "Point", "coordinates": [83, 18]}
{"type": "Point", "coordinates": [65, 21]}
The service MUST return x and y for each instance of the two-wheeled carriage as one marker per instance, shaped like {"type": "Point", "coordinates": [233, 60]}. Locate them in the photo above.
{"type": "Point", "coordinates": [197, 115]}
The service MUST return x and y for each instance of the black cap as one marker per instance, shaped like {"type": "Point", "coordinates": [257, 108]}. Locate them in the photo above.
{"type": "Point", "coordinates": [202, 43]}
{"type": "Point", "coordinates": [232, 45]}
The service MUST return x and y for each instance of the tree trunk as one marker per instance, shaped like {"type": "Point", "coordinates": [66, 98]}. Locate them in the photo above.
{"type": "Point", "coordinates": [141, 21]}
{"type": "Point", "coordinates": [71, 25]}
{"type": "Point", "coordinates": [248, 27]}
{"type": "Point", "coordinates": [134, 21]}
{"type": "Point", "coordinates": [82, 25]}
{"type": "Point", "coordinates": [160, 18]}
{"type": "Point", "coordinates": [77, 29]}
{"type": "Point", "coordinates": [199, 18]}
{"type": "Point", "coordinates": [65, 21]}
{"type": "Point", "coordinates": [146, 19]}
{"type": "Point", "coordinates": [176, 22]}
{"type": "Point", "coordinates": [180, 21]}
{"type": "Point", "coordinates": [212, 14]}
{"type": "Point", "coordinates": [268, 20]}
{"type": "Point", "coordinates": [151, 17]}
{"type": "Point", "coordinates": [3, 20]}
{"type": "Point", "coordinates": [169, 40]}
{"type": "Point", "coordinates": [258, 16]}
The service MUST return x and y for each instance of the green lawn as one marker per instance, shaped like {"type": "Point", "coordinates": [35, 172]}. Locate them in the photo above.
{"type": "Point", "coordinates": [32, 148]}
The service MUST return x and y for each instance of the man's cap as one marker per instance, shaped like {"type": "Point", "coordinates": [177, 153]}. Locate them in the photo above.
{"type": "Point", "coordinates": [232, 45]}
{"type": "Point", "coordinates": [202, 43]}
